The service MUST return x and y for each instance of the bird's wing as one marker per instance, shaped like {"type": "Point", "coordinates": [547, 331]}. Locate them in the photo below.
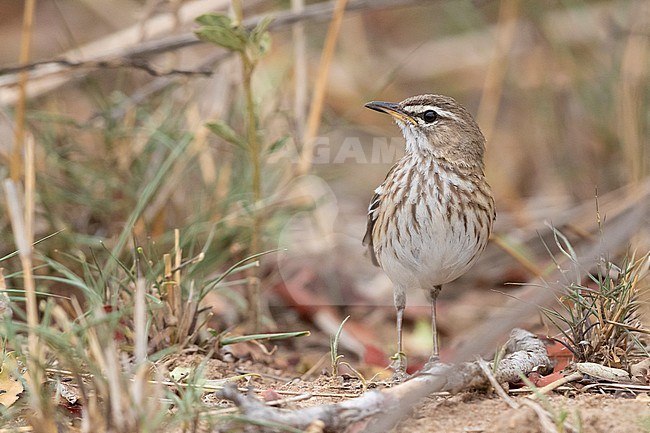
{"type": "Point", "coordinates": [373, 211]}
{"type": "Point", "coordinates": [373, 214]}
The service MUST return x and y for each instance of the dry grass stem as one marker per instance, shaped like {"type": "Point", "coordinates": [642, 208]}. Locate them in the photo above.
{"type": "Point", "coordinates": [320, 88]}
{"type": "Point", "coordinates": [497, 67]}
{"type": "Point", "coordinates": [299, 70]}
{"type": "Point", "coordinates": [634, 76]}
{"type": "Point", "coordinates": [555, 385]}
{"type": "Point", "coordinates": [629, 387]}
{"type": "Point", "coordinates": [176, 298]}
{"type": "Point", "coordinates": [21, 213]}
{"type": "Point", "coordinates": [140, 322]}
{"type": "Point", "coordinates": [19, 128]}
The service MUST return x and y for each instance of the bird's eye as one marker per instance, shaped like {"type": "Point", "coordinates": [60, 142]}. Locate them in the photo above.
{"type": "Point", "coordinates": [429, 116]}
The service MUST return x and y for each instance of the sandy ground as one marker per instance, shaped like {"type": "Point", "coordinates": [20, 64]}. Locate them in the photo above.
{"type": "Point", "coordinates": [468, 412]}
{"type": "Point", "coordinates": [479, 413]}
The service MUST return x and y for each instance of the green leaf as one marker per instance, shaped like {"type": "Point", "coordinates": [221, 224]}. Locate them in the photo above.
{"type": "Point", "coordinates": [223, 130]}
{"type": "Point", "coordinates": [223, 37]}
{"type": "Point", "coordinates": [260, 37]}
{"type": "Point", "coordinates": [334, 348]}
{"type": "Point", "coordinates": [259, 40]}
{"type": "Point", "coordinates": [277, 145]}
{"type": "Point", "coordinates": [260, 28]}
{"type": "Point", "coordinates": [276, 336]}
{"type": "Point", "coordinates": [237, 267]}
{"type": "Point", "coordinates": [219, 30]}
{"type": "Point", "coordinates": [214, 20]}
{"type": "Point", "coordinates": [264, 44]}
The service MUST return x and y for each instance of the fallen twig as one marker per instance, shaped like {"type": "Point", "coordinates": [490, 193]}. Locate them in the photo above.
{"type": "Point", "coordinates": [558, 383]}
{"type": "Point", "coordinates": [377, 411]}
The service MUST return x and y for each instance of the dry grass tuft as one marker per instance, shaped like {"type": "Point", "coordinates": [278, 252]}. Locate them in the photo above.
{"type": "Point", "coordinates": [599, 318]}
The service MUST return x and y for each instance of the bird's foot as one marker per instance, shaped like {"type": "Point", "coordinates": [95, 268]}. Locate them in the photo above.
{"type": "Point", "coordinates": [433, 360]}
{"type": "Point", "coordinates": [398, 364]}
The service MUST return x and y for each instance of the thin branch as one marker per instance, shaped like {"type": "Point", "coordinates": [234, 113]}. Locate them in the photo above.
{"type": "Point", "coordinates": [49, 69]}
{"type": "Point", "coordinates": [113, 63]}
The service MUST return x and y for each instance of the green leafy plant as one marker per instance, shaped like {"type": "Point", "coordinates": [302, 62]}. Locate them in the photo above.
{"type": "Point", "coordinates": [336, 359]}
{"type": "Point", "coordinates": [250, 45]}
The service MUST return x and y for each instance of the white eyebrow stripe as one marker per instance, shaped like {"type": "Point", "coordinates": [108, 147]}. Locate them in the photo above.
{"type": "Point", "coordinates": [445, 113]}
{"type": "Point", "coordinates": [419, 109]}
{"type": "Point", "coordinates": [422, 108]}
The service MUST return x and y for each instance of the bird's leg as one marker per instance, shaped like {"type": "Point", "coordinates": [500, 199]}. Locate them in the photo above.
{"type": "Point", "coordinates": [398, 361]}
{"type": "Point", "coordinates": [433, 296]}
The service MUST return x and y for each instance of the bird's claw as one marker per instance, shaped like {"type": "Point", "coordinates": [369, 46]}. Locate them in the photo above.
{"type": "Point", "coordinates": [433, 360]}
{"type": "Point", "coordinates": [398, 364]}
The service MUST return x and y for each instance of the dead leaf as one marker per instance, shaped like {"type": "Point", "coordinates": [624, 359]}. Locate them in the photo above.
{"type": "Point", "coordinates": [69, 393]}
{"type": "Point", "coordinates": [10, 386]}
{"type": "Point", "coordinates": [641, 371]}
{"type": "Point", "coordinates": [270, 395]}
{"type": "Point", "coordinates": [604, 373]}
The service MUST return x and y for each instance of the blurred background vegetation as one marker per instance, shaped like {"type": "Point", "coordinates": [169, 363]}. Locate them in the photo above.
{"type": "Point", "coordinates": [560, 89]}
{"type": "Point", "coordinates": [166, 186]}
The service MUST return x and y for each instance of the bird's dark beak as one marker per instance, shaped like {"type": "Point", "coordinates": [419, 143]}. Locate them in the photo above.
{"type": "Point", "coordinates": [391, 108]}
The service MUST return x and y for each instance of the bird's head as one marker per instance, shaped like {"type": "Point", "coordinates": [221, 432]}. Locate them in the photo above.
{"type": "Point", "coordinates": [437, 125]}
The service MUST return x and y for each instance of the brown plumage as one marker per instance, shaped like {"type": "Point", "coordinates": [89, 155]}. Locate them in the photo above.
{"type": "Point", "coordinates": [432, 216]}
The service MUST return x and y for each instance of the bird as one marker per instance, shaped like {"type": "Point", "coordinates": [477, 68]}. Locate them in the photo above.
{"type": "Point", "coordinates": [432, 216]}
